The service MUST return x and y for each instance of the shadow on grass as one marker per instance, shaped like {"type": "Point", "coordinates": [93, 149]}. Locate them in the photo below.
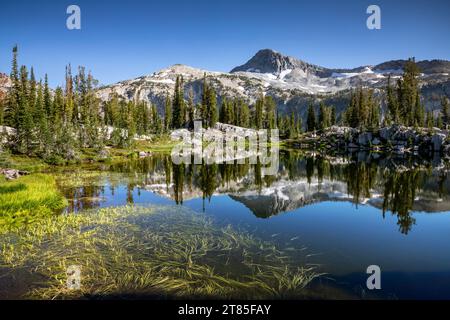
{"type": "Point", "coordinates": [12, 188]}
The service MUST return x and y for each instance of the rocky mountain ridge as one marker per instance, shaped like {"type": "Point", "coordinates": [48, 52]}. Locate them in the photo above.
{"type": "Point", "coordinates": [293, 83]}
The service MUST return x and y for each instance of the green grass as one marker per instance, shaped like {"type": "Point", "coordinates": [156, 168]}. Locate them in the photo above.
{"type": "Point", "coordinates": [28, 198]}
{"type": "Point", "coordinates": [22, 162]}
{"type": "Point", "coordinates": [160, 251]}
{"type": "Point", "coordinates": [162, 144]}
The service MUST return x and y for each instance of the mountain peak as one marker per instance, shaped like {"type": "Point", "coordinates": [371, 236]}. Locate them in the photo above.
{"type": "Point", "coordinates": [268, 61]}
{"type": "Point", "coordinates": [273, 62]}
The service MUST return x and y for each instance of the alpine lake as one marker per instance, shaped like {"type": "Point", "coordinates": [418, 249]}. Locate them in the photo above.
{"type": "Point", "coordinates": [148, 228]}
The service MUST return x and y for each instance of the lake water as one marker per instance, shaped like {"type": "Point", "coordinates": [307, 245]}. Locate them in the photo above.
{"type": "Point", "coordinates": [346, 212]}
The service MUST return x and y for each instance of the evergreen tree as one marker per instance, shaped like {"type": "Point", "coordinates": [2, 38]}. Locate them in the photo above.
{"type": "Point", "coordinates": [212, 108]}
{"type": "Point", "coordinates": [430, 120]}
{"type": "Point", "coordinates": [311, 119]}
{"type": "Point", "coordinates": [333, 116]}
{"type": "Point", "coordinates": [444, 111]}
{"type": "Point", "coordinates": [131, 125]}
{"type": "Point", "coordinates": [12, 109]}
{"type": "Point", "coordinates": [419, 112]}
{"type": "Point", "coordinates": [223, 111]}
{"type": "Point", "coordinates": [40, 119]}
{"type": "Point", "coordinates": [24, 116]}
{"type": "Point", "coordinates": [270, 107]}
{"type": "Point", "coordinates": [244, 118]}
{"type": "Point", "coordinates": [293, 133]}
{"type": "Point", "coordinates": [259, 112]}
{"type": "Point", "coordinates": [156, 121]}
{"type": "Point", "coordinates": [392, 105]}
{"type": "Point", "coordinates": [178, 108]}
{"type": "Point", "coordinates": [168, 115]}
{"type": "Point", "coordinates": [204, 110]}
{"type": "Point", "coordinates": [324, 117]}
{"type": "Point", "coordinates": [191, 110]}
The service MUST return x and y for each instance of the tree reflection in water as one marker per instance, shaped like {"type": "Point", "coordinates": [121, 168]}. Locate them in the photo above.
{"type": "Point", "coordinates": [390, 184]}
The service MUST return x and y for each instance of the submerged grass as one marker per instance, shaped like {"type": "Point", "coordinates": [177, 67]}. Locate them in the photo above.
{"type": "Point", "coordinates": [134, 251]}
{"type": "Point", "coordinates": [28, 198]}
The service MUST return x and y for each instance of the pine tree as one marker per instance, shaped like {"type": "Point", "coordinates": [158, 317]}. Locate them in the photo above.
{"type": "Point", "coordinates": [47, 100]}
{"type": "Point", "coordinates": [293, 133]}
{"type": "Point", "coordinates": [40, 119]}
{"type": "Point", "coordinates": [333, 116]}
{"type": "Point", "coordinates": [223, 111]}
{"type": "Point", "coordinates": [270, 107]}
{"type": "Point", "coordinates": [168, 115]}
{"type": "Point", "coordinates": [178, 109]}
{"type": "Point", "coordinates": [156, 121]}
{"type": "Point", "coordinates": [191, 110]}
{"type": "Point", "coordinates": [324, 118]}
{"type": "Point", "coordinates": [24, 116]}
{"type": "Point", "coordinates": [212, 108]}
{"type": "Point", "coordinates": [259, 112]}
{"type": "Point", "coordinates": [444, 111]}
{"type": "Point", "coordinates": [430, 120]}
{"type": "Point", "coordinates": [131, 125]}
{"type": "Point", "coordinates": [205, 104]}
{"type": "Point", "coordinates": [244, 118]}
{"type": "Point", "coordinates": [311, 119]}
{"type": "Point", "coordinates": [419, 112]}
{"type": "Point", "coordinates": [12, 108]}
{"type": "Point", "coordinates": [392, 105]}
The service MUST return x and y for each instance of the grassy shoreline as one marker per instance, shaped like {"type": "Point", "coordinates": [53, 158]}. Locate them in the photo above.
{"type": "Point", "coordinates": [28, 198]}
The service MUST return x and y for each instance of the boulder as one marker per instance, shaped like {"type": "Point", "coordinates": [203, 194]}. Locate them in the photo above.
{"type": "Point", "coordinates": [11, 174]}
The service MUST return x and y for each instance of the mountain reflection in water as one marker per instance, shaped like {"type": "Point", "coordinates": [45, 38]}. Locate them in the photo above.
{"type": "Point", "coordinates": [398, 185]}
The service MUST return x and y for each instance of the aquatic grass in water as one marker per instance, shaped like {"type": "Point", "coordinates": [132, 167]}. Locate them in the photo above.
{"type": "Point", "coordinates": [161, 251]}
{"type": "Point", "coordinates": [27, 198]}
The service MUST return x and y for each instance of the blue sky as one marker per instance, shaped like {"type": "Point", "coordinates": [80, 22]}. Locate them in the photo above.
{"type": "Point", "coordinates": [125, 39]}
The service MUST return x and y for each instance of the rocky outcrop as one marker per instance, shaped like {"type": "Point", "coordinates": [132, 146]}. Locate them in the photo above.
{"type": "Point", "coordinates": [396, 138]}
{"type": "Point", "coordinates": [7, 134]}
{"type": "Point", "coordinates": [12, 174]}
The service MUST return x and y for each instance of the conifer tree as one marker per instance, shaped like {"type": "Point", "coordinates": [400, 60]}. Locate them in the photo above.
{"type": "Point", "coordinates": [204, 112]}
{"type": "Point", "coordinates": [12, 109]}
{"type": "Point", "coordinates": [324, 117]}
{"type": "Point", "coordinates": [244, 118]}
{"type": "Point", "coordinates": [445, 111]}
{"type": "Point", "coordinates": [333, 116]}
{"type": "Point", "coordinates": [259, 105]}
{"type": "Point", "coordinates": [168, 115]}
{"type": "Point", "coordinates": [392, 105]}
{"type": "Point", "coordinates": [191, 110]}
{"type": "Point", "coordinates": [311, 119]}
{"type": "Point", "coordinates": [178, 109]}
{"type": "Point", "coordinates": [40, 119]}
{"type": "Point", "coordinates": [270, 107]}
{"type": "Point", "coordinates": [156, 121]}
{"type": "Point", "coordinates": [212, 108]}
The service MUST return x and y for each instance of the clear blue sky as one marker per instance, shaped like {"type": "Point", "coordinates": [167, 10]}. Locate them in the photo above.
{"type": "Point", "coordinates": [124, 39]}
